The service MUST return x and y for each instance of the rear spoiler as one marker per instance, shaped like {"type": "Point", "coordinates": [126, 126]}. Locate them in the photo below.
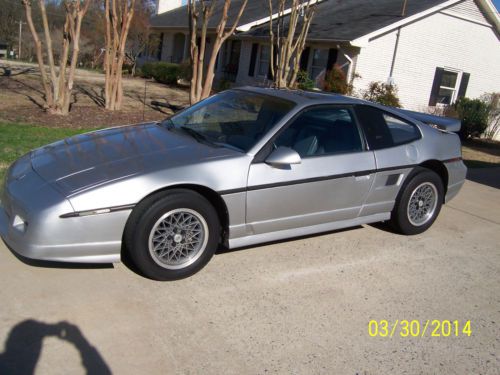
{"type": "Point", "coordinates": [443, 123]}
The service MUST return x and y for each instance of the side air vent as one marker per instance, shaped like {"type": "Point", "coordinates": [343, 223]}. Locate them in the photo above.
{"type": "Point", "coordinates": [392, 179]}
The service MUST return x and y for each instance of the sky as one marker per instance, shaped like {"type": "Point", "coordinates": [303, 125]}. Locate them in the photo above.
{"type": "Point", "coordinates": [497, 3]}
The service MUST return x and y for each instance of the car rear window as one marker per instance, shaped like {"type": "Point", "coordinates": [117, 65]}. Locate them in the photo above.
{"type": "Point", "coordinates": [384, 130]}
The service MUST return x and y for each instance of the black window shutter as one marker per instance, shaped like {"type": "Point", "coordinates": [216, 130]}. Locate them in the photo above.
{"type": "Point", "coordinates": [304, 58]}
{"type": "Point", "coordinates": [332, 58]}
{"type": "Point", "coordinates": [160, 47]}
{"type": "Point", "coordinates": [438, 76]}
{"type": "Point", "coordinates": [253, 59]}
{"type": "Point", "coordinates": [463, 85]}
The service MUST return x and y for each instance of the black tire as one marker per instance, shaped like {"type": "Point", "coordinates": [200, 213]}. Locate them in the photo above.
{"type": "Point", "coordinates": [146, 216]}
{"type": "Point", "coordinates": [403, 219]}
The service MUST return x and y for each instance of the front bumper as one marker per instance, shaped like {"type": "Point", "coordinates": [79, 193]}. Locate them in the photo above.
{"type": "Point", "coordinates": [45, 235]}
{"type": "Point", "coordinates": [88, 252]}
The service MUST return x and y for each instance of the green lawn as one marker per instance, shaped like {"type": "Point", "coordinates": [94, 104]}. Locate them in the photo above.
{"type": "Point", "coordinates": [17, 139]}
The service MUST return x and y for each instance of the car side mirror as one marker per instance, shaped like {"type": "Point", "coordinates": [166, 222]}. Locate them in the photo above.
{"type": "Point", "coordinates": [283, 156]}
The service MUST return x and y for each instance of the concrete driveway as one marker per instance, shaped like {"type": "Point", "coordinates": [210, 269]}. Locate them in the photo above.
{"type": "Point", "coordinates": [297, 307]}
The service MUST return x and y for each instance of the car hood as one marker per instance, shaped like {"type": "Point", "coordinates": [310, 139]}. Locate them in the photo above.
{"type": "Point", "coordinates": [91, 159]}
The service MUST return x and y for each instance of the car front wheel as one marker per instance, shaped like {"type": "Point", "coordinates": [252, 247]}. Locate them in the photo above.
{"type": "Point", "coordinates": [172, 235]}
{"type": "Point", "coordinates": [419, 203]}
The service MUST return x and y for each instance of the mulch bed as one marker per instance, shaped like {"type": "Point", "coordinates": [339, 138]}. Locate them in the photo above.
{"type": "Point", "coordinates": [81, 117]}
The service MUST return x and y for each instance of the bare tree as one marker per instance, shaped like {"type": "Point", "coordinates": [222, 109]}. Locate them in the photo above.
{"type": "Point", "coordinates": [141, 38]}
{"type": "Point", "coordinates": [289, 40]}
{"type": "Point", "coordinates": [58, 83]}
{"type": "Point", "coordinates": [200, 12]}
{"type": "Point", "coordinates": [119, 15]}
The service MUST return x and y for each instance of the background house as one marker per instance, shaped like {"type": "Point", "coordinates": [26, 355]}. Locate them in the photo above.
{"type": "Point", "coordinates": [435, 52]}
{"type": "Point", "coordinates": [3, 50]}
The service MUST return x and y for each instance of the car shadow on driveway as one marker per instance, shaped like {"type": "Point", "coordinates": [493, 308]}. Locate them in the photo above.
{"type": "Point", "coordinates": [25, 340]}
{"type": "Point", "coordinates": [223, 250]}
{"type": "Point", "coordinates": [485, 176]}
{"type": "Point", "coordinates": [51, 264]}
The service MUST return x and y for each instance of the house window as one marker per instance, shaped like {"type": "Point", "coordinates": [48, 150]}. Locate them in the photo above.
{"type": "Point", "coordinates": [448, 86]}
{"type": "Point", "coordinates": [319, 62]}
{"type": "Point", "coordinates": [264, 60]}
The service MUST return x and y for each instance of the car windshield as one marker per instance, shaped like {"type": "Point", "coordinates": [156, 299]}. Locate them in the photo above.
{"type": "Point", "coordinates": [235, 119]}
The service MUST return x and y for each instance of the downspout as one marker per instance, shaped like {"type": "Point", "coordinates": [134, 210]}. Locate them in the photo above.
{"type": "Point", "coordinates": [390, 80]}
{"type": "Point", "coordinates": [348, 58]}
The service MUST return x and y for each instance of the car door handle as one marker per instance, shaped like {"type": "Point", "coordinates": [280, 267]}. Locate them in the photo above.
{"type": "Point", "coordinates": [362, 178]}
{"type": "Point", "coordinates": [362, 174]}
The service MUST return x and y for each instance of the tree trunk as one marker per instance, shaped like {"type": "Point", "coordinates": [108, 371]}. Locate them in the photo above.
{"type": "Point", "coordinates": [57, 85]}
{"type": "Point", "coordinates": [116, 39]}
{"type": "Point", "coordinates": [203, 77]}
{"type": "Point", "coordinates": [50, 54]}
{"type": "Point", "coordinates": [75, 35]}
{"type": "Point", "coordinates": [289, 46]}
{"type": "Point", "coordinates": [49, 99]}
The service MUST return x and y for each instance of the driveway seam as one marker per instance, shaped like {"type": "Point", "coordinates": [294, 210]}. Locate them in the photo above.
{"type": "Point", "coordinates": [469, 213]}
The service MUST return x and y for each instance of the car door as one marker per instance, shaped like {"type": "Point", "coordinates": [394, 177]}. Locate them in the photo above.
{"type": "Point", "coordinates": [392, 140]}
{"type": "Point", "coordinates": [331, 182]}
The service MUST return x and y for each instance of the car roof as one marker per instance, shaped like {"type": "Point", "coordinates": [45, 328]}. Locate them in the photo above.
{"type": "Point", "coordinates": [308, 98]}
{"type": "Point", "coordinates": [305, 97]}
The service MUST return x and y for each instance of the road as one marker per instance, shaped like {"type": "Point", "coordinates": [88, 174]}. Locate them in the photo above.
{"type": "Point", "coordinates": [296, 307]}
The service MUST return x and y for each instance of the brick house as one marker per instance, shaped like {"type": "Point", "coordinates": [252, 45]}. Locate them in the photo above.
{"type": "Point", "coordinates": [438, 51]}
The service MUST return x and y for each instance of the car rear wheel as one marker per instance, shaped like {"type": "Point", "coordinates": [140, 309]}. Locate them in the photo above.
{"type": "Point", "coordinates": [172, 235]}
{"type": "Point", "coordinates": [418, 203]}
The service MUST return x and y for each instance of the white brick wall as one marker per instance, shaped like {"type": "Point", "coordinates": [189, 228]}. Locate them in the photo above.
{"type": "Point", "coordinates": [439, 40]}
{"type": "Point", "coordinates": [163, 6]}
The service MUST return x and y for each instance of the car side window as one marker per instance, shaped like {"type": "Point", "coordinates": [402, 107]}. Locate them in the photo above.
{"type": "Point", "coordinates": [402, 132]}
{"type": "Point", "coordinates": [384, 130]}
{"type": "Point", "coordinates": [322, 131]}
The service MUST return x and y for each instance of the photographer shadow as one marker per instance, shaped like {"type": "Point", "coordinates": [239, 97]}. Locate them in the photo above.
{"type": "Point", "coordinates": [24, 344]}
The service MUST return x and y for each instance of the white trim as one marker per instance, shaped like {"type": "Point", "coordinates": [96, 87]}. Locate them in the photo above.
{"type": "Point", "coordinates": [491, 12]}
{"type": "Point", "coordinates": [365, 39]}
{"type": "Point", "coordinates": [484, 5]}
{"type": "Point", "coordinates": [350, 62]}
{"type": "Point", "coordinates": [465, 18]}
{"type": "Point", "coordinates": [248, 26]}
{"type": "Point", "coordinates": [458, 83]}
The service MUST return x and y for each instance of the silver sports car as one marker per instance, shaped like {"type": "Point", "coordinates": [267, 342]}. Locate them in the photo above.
{"type": "Point", "coordinates": [242, 167]}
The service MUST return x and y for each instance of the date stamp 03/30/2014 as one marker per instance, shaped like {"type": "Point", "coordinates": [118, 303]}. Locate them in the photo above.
{"type": "Point", "coordinates": [417, 328]}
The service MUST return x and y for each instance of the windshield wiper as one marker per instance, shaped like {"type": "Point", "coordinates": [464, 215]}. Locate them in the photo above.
{"type": "Point", "coordinates": [168, 123]}
{"type": "Point", "coordinates": [197, 135]}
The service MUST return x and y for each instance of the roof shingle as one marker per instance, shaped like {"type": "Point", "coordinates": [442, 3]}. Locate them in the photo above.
{"type": "Point", "coordinates": [337, 20]}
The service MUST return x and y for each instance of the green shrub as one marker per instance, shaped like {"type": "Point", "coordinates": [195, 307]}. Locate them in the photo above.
{"type": "Point", "coordinates": [147, 70]}
{"type": "Point", "coordinates": [383, 93]}
{"type": "Point", "coordinates": [474, 114]}
{"type": "Point", "coordinates": [161, 72]}
{"type": "Point", "coordinates": [304, 82]}
{"type": "Point", "coordinates": [166, 73]}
